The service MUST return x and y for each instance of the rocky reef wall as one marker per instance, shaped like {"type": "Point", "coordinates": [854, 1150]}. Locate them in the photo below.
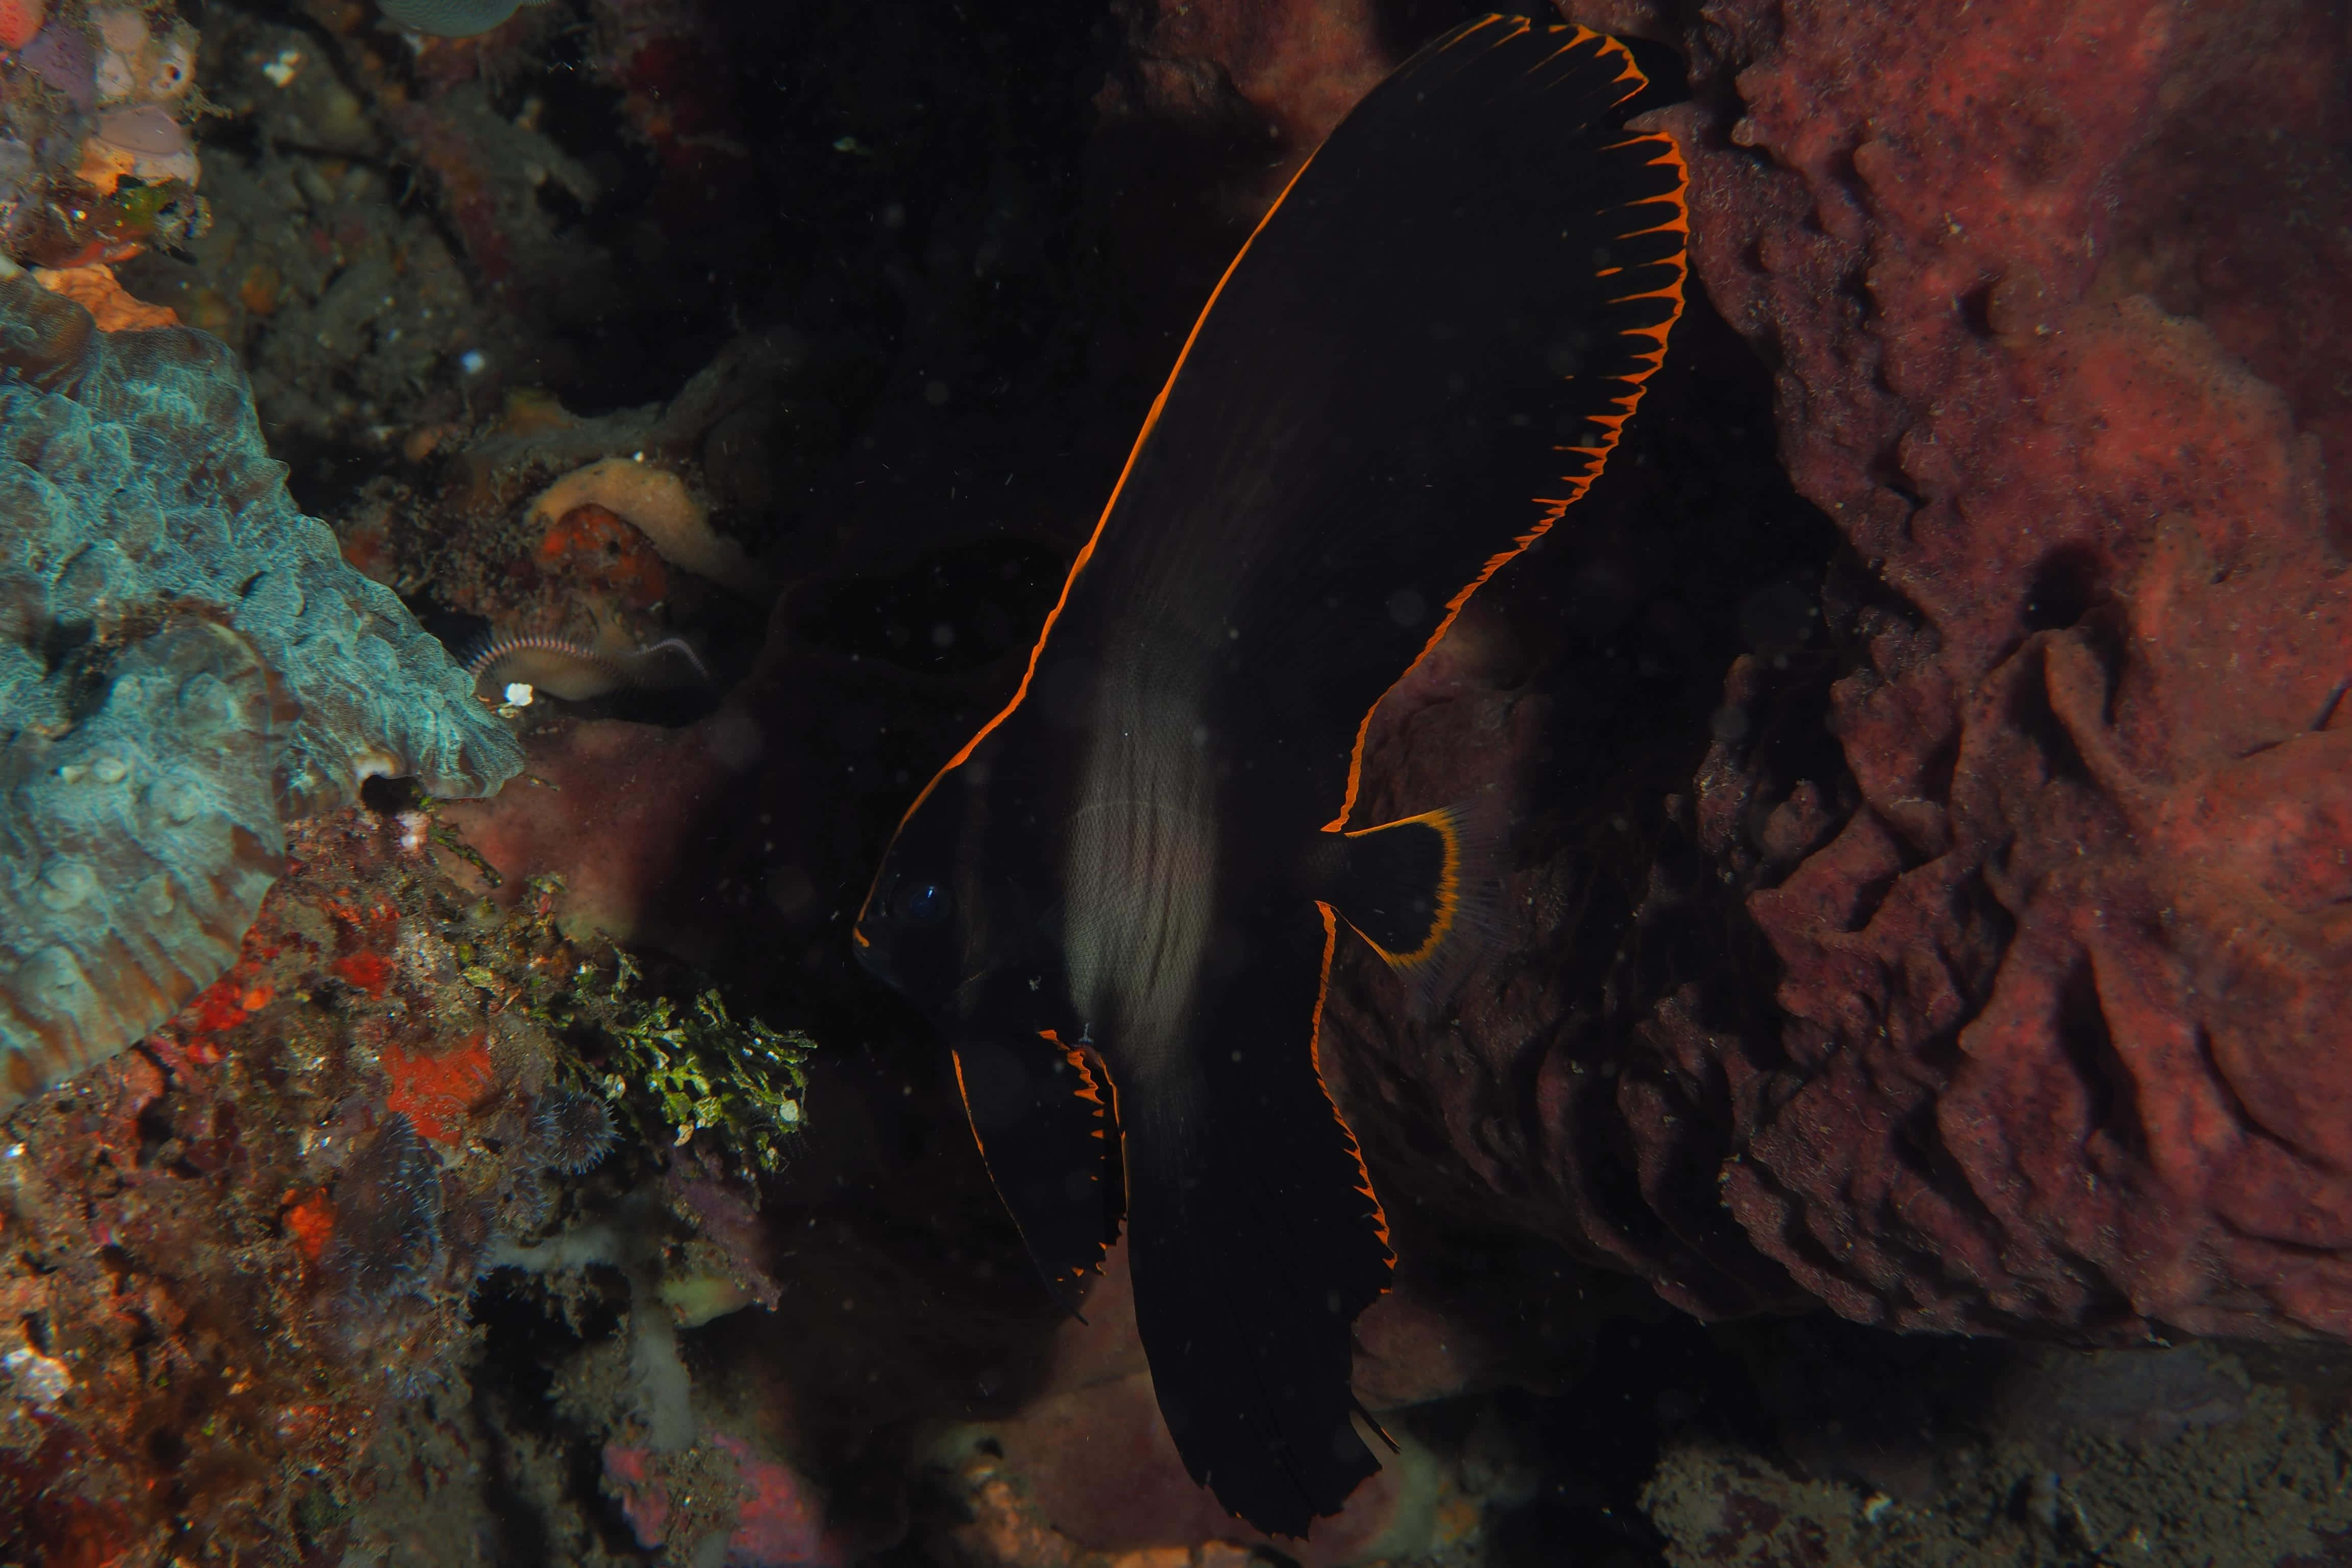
{"type": "Point", "coordinates": [2048, 287]}
{"type": "Point", "coordinates": [2023, 857]}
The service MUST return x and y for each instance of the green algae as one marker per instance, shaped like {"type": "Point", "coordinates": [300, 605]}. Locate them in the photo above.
{"type": "Point", "coordinates": [707, 1072]}
{"type": "Point", "coordinates": [680, 1070]}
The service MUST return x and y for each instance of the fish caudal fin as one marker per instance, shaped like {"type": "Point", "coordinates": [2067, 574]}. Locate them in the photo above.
{"type": "Point", "coordinates": [1046, 1134]}
{"type": "Point", "coordinates": [1254, 1238]}
{"type": "Point", "coordinates": [1419, 890]}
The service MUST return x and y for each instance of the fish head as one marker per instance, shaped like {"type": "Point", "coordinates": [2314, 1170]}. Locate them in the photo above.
{"type": "Point", "coordinates": [909, 931]}
{"type": "Point", "coordinates": [959, 919]}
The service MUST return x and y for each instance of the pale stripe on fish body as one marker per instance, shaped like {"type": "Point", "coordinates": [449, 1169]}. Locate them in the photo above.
{"type": "Point", "coordinates": [1141, 870]}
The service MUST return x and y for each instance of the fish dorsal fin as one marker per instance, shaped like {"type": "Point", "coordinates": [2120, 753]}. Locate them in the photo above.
{"type": "Point", "coordinates": [1420, 361]}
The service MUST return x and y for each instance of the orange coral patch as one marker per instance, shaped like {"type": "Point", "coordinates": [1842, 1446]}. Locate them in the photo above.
{"type": "Point", "coordinates": [93, 286]}
{"type": "Point", "coordinates": [368, 972]}
{"type": "Point", "coordinates": [230, 999]}
{"type": "Point", "coordinates": [310, 1219]}
{"type": "Point", "coordinates": [361, 936]}
{"type": "Point", "coordinates": [218, 1007]}
{"type": "Point", "coordinates": [434, 1092]}
{"type": "Point", "coordinates": [19, 20]}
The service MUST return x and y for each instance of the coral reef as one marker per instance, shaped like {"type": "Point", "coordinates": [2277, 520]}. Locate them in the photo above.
{"type": "Point", "coordinates": [363, 315]}
{"type": "Point", "coordinates": [96, 162]}
{"type": "Point", "coordinates": [266, 1243]}
{"type": "Point", "coordinates": [1297, 67]}
{"type": "Point", "coordinates": [20, 23]}
{"type": "Point", "coordinates": [658, 505]}
{"type": "Point", "coordinates": [231, 1257]}
{"type": "Point", "coordinates": [96, 289]}
{"type": "Point", "coordinates": [572, 1131]}
{"type": "Point", "coordinates": [575, 673]}
{"type": "Point", "coordinates": [386, 1229]}
{"type": "Point", "coordinates": [188, 664]}
{"type": "Point", "coordinates": [450, 18]}
{"type": "Point", "coordinates": [1867, 831]}
{"type": "Point", "coordinates": [708, 1073]}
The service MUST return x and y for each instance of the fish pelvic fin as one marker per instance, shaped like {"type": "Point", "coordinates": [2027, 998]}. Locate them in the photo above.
{"type": "Point", "coordinates": [1049, 1137]}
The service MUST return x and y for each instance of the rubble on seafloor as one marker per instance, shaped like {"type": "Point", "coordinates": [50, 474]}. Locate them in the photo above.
{"type": "Point", "coordinates": [806, 339]}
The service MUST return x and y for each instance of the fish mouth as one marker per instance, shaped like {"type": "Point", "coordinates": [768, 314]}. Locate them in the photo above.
{"type": "Point", "coordinates": [871, 957]}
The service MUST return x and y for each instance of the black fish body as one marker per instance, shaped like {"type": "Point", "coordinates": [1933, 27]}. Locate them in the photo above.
{"type": "Point", "coordinates": [1120, 901]}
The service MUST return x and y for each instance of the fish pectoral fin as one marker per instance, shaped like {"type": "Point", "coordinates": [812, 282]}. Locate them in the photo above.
{"type": "Point", "coordinates": [1043, 1123]}
{"type": "Point", "coordinates": [1254, 1241]}
{"type": "Point", "coordinates": [1419, 890]}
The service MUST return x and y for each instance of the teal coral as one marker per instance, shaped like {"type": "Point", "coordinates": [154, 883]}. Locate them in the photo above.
{"type": "Point", "coordinates": [186, 663]}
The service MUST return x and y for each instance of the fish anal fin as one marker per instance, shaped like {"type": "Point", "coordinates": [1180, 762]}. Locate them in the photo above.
{"type": "Point", "coordinates": [1254, 1241]}
{"type": "Point", "coordinates": [1046, 1133]}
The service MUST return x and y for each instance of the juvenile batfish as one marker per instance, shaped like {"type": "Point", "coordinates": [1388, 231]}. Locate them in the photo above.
{"type": "Point", "coordinates": [1119, 899]}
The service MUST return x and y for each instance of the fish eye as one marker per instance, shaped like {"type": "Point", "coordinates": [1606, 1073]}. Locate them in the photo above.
{"type": "Point", "coordinates": [924, 904]}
